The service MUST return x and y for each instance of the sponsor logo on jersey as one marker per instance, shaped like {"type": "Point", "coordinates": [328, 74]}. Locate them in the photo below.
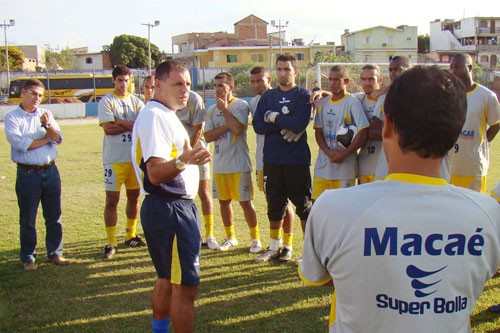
{"type": "Point", "coordinates": [284, 100]}
{"type": "Point", "coordinates": [425, 283]}
{"type": "Point", "coordinates": [467, 134]}
{"type": "Point", "coordinates": [330, 112]}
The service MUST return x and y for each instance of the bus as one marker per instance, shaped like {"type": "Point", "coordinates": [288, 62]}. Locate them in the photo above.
{"type": "Point", "coordinates": [85, 87]}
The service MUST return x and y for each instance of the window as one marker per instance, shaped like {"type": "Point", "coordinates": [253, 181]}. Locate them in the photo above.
{"type": "Point", "coordinates": [232, 58]}
{"type": "Point", "coordinates": [408, 39]}
{"type": "Point", "coordinates": [258, 57]}
{"type": "Point", "coordinates": [89, 60]}
{"type": "Point", "coordinates": [390, 39]}
{"type": "Point", "coordinates": [484, 58]}
{"type": "Point", "coordinates": [300, 56]}
{"type": "Point", "coordinates": [368, 39]}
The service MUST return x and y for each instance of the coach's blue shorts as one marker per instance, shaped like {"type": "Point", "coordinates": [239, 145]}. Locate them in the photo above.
{"type": "Point", "coordinates": [172, 231]}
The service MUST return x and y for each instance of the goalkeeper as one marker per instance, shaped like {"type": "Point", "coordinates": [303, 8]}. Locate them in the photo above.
{"type": "Point", "coordinates": [282, 115]}
{"type": "Point", "coordinates": [336, 164]}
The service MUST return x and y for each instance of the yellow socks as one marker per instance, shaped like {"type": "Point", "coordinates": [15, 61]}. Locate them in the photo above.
{"type": "Point", "coordinates": [254, 232]}
{"type": "Point", "coordinates": [209, 225]}
{"type": "Point", "coordinates": [131, 228]}
{"type": "Point", "coordinates": [287, 239]}
{"type": "Point", "coordinates": [111, 234]}
{"type": "Point", "coordinates": [230, 233]}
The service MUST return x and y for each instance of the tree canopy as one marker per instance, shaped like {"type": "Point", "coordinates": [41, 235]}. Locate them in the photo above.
{"type": "Point", "coordinates": [322, 56]}
{"type": "Point", "coordinates": [132, 51]}
{"type": "Point", "coordinates": [63, 60]}
{"type": "Point", "coordinates": [16, 58]}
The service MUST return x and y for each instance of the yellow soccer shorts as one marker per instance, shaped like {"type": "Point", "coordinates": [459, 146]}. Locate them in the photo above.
{"type": "Point", "coordinates": [233, 186]}
{"type": "Point", "coordinates": [118, 174]}
{"type": "Point", "coordinates": [320, 185]}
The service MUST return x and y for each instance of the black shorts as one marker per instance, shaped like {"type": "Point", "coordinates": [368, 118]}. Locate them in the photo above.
{"type": "Point", "coordinates": [287, 182]}
{"type": "Point", "coordinates": [172, 231]}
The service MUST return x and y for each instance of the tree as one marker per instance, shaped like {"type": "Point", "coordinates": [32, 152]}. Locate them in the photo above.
{"type": "Point", "coordinates": [16, 58]}
{"type": "Point", "coordinates": [63, 60]}
{"type": "Point", "coordinates": [132, 51]}
{"type": "Point", "coordinates": [424, 44]}
{"type": "Point", "coordinates": [322, 56]}
{"type": "Point", "coordinates": [241, 75]}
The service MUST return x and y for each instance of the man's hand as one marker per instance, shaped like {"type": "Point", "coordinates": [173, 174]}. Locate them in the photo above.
{"type": "Point", "coordinates": [270, 116]}
{"type": "Point", "coordinates": [197, 155]}
{"type": "Point", "coordinates": [44, 119]}
{"type": "Point", "coordinates": [339, 155]}
{"type": "Point", "coordinates": [221, 103]}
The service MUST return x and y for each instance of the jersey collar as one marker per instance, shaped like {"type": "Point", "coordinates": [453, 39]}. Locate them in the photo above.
{"type": "Point", "coordinates": [416, 179]}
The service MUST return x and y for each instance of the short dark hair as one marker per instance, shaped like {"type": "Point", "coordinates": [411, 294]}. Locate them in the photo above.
{"type": "Point", "coordinates": [404, 60]}
{"type": "Point", "coordinates": [120, 70]}
{"type": "Point", "coordinates": [149, 77]}
{"type": "Point", "coordinates": [163, 70]}
{"type": "Point", "coordinates": [257, 70]}
{"type": "Point", "coordinates": [33, 83]}
{"type": "Point", "coordinates": [287, 57]}
{"type": "Point", "coordinates": [465, 57]}
{"type": "Point", "coordinates": [226, 76]}
{"type": "Point", "coordinates": [427, 106]}
{"type": "Point", "coordinates": [374, 67]}
{"type": "Point", "coordinates": [341, 69]}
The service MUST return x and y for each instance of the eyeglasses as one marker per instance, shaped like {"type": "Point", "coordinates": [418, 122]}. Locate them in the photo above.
{"type": "Point", "coordinates": [35, 94]}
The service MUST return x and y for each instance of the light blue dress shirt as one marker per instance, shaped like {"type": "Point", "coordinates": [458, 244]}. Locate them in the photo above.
{"type": "Point", "coordinates": [21, 129]}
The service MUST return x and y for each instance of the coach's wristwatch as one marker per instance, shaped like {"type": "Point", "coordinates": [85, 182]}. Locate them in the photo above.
{"type": "Point", "coordinates": [179, 165]}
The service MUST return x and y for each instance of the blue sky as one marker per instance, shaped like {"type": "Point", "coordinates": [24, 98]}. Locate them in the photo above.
{"type": "Point", "coordinates": [93, 23]}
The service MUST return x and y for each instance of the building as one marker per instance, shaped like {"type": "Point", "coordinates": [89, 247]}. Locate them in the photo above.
{"type": "Point", "coordinates": [379, 44]}
{"type": "Point", "coordinates": [86, 60]}
{"type": "Point", "coordinates": [478, 36]}
{"type": "Point", "coordinates": [34, 58]}
{"type": "Point", "coordinates": [198, 49]}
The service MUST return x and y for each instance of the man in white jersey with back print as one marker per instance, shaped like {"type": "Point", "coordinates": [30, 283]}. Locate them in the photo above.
{"type": "Point", "coordinates": [117, 112]}
{"type": "Point", "coordinates": [193, 118]}
{"type": "Point", "coordinates": [470, 156]}
{"type": "Point", "coordinates": [166, 167]}
{"type": "Point", "coordinates": [426, 248]}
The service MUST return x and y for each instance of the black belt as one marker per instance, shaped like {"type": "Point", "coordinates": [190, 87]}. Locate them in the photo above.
{"type": "Point", "coordinates": [36, 167]}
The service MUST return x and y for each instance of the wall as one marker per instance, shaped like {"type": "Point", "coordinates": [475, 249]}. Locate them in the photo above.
{"type": "Point", "coordinates": [61, 111]}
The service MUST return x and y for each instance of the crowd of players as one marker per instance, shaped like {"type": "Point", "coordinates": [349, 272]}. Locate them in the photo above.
{"type": "Point", "coordinates": [348, 130]}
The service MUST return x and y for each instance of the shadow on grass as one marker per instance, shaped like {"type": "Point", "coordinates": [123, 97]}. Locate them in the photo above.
{"type": "Point", "coordinates": [93, 295]}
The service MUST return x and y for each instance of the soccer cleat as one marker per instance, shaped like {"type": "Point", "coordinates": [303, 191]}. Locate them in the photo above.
{"type": "Point", "coordinates": [109, 252]}
{"type": "Point", "coordinates": [267, 255]}
{"type": "Point", "coordinates": [298, 261]}
{"type": "Point", "coordinates": [212, 243]}
{"type": "Point", "coordinates": [29, 265]}
{"type": "Point", "coordinates": [228, 243]}
{"type": "Point", "coordinates": [255, 246]}
{"type": "Point", "coordinates": [286, 253]}
{"type": "Point", "coordinates": [135, 242]}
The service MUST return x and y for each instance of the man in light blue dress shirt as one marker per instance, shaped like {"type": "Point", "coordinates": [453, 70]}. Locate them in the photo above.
{"type": "Point", "coordinates": [33, 135]}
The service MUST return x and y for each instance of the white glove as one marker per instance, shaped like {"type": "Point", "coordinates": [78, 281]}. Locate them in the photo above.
{"type": "Point", "coordinates": [270, 116]}
{"type": "Point", "coordinates": [291, 136]}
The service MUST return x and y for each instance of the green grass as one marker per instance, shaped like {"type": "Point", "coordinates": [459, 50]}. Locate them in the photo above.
{"type": "Point", "coordinates": [92, 295]}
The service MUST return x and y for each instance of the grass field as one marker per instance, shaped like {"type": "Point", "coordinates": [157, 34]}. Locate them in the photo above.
{"type": "Point", "coordinates": [93, 295]}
